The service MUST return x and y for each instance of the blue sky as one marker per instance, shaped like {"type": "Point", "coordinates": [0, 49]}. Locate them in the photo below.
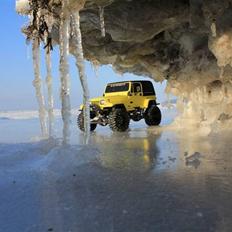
{"type": "Point", "coordinates": [16, 73]}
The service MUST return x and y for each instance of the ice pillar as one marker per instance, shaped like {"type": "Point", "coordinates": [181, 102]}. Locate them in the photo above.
{"type": "Point", "coordinates": [50, 96]}
{"type": "Point", "coordinates": [81, 68]}
{"type": "Point", "coordinates": [37, 85]}
{"type": "Point", "coordinates": [64, 77]}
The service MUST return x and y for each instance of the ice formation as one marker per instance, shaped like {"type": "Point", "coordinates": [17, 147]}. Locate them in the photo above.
{"type": "Point", "coordinates": [23, 7]}
{"type": "Point", "coordinates": [37, 85]}
{"type": "Point", "coordinates": [64, 76]}
{"type": "Point", "coordinates": [214, 29]}
{"type": "Point", "coordinates": [102, 21]}
{"type": "Point", "coordinates": [78, 53]}
{"type": "Point", "coordinates": [43, 20]}
{"type": "Point", "coordinates": [50, 95]}
{"type": "Point", "coordinates": [95, 66]}
{"type": "Point", "coordinates": [187, 42]}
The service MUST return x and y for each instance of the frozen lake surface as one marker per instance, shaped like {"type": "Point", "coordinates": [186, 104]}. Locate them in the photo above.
{"type": "Point", "coordinates": [146, 179]}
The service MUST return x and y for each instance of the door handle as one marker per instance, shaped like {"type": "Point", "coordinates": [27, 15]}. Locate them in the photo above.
{"type": "Point", "coordinates": [131, 102]}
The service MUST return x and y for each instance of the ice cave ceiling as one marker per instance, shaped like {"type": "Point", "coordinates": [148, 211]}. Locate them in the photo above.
{"type": "Point", "coordinates": [184, 39]}
{"type": "Point", "coordinates": [162, 39]}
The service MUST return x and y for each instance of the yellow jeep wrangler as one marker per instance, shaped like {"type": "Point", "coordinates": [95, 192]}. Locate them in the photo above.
{"type": "Point", "coordinates": [121, 102]}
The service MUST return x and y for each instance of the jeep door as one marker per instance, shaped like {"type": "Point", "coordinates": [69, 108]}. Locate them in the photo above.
{"type": "Point", "coordinates": [136, 99]}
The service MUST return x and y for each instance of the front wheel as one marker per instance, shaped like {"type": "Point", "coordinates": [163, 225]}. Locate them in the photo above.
{"type": "Point", "coordinates": [80, 122]}
{"type": "Point", "coordinates": [119, 120]}
{"type": "Point", "coordinates": [153, 116]}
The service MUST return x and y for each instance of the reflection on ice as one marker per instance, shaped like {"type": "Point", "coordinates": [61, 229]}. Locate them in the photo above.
{"type": "Point", "coordinates": [128, 151]}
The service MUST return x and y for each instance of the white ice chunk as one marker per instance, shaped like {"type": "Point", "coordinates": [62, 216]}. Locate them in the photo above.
{"type": "Point", "coordinates": [221, 47]}
{"type": "Point", "coordinates": [102, 21]}
{"type": "Point", "coordinates": [213, 29]}
{"type": "Point", "coordinates": [23, 7]}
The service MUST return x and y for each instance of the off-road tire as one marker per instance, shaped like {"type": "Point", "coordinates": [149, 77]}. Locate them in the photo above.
{"type": "Point", "coordinates": [152, 116]}
{"type": "Point", "coordinates": [118, 120]}
{"type": "Point", "coordinates": [80, 121]}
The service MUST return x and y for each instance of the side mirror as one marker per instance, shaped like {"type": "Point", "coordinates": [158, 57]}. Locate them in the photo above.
{"type": "Point", "coordinates": [103, 95]}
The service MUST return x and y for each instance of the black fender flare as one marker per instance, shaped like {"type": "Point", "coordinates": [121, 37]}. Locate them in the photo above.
{"type": "Point", "coordinates": [151, 103]}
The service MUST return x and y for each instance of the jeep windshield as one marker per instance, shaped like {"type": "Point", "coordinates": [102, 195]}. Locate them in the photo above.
{"type": "Point", "coordinates": [117, 87]}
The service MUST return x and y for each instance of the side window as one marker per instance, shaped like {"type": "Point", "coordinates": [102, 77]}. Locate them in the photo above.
{"type": "Point", "coordinates": [137, 88]}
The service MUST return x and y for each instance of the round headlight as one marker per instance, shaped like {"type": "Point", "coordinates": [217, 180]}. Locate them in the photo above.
{"type": "Point", "coordinates": [102, 102]}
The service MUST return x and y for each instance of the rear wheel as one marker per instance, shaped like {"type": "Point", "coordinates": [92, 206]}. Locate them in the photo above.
{"type": "Point", "coordinates": [80, 121]}
{"type": "Point", "coordinates": [153, 116]}
{"type": "Point", "coordinates": [119, 120]}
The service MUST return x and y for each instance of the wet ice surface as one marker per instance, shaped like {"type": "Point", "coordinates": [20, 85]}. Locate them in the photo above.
{"type": "Point", "coordinates": [141, 180]}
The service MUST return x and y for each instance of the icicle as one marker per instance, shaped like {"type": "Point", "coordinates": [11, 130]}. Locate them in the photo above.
{"type": "Point", "coordinates": [81, 68]}
{"type": "Point", "coordinates": [102, 21]}
{"type": "Point", "coordinates": [64, 77]}
{"type": "Point", "coordinates": [221, 73]}
{"type": "Point", "coordinates": [49, 20]}
{"type": "Point", "coordinates": [50, 96]}
{"type": "Point", "coordinates": [169, 105]}
{"type": "Point", "coordinates": [213, 29]}
{"type": "Point", "coordinates": [37, 85]}
{"type": "Point", "coordinates": [95, 66]}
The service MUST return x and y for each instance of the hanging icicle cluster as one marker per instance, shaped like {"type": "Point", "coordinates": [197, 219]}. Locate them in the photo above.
{"type": "Point", "coordinates": [41, 21]}
{"type": "Point", "coordinates": [65, 31]}
{"type": "Point", "coordinates": [40, 31]}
